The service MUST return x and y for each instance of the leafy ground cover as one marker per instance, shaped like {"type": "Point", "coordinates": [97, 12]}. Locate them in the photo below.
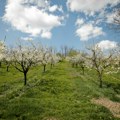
{"type": "Point", "coordinates": [61, 93]}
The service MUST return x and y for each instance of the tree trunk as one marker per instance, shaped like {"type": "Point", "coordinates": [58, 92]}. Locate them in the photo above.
{"type": "Point", "coordinates": [76, 65]}
{"type": "Point", "coordinates": [51, 65]}
{"type": "Point", "coordinates": [7, 68]}
{"type": "Point", "coordinates": [25, 78]}
{"type": "Point", "coordinates": [0, 64]}
{"type": "Point", "coordinates": [44, 68]}
{"type": "Point", "coordinates": [72, 64]}
{"type": "Point", "coordinates": [83, 70]}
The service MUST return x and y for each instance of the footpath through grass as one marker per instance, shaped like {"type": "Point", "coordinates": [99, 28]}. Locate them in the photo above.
{"type": "Point", "coordinates": [62, 93]}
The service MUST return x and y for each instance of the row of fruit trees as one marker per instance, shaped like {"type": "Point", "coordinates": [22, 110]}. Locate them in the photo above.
{"type": "Point", "coordinates": [24, 57]}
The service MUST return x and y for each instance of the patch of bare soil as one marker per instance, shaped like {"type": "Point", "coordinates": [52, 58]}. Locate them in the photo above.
{"type": "Point", "coordinates": [118, 96]}
{"type": "Point", "coordinates": [114, 107]}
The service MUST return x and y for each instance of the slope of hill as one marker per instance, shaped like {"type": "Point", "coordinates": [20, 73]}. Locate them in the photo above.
{"type": "Point", "coordinates": [61, 93]}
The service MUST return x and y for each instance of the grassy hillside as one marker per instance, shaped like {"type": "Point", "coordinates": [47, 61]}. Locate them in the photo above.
{"type": "Point", "coordinates": [62, 93]}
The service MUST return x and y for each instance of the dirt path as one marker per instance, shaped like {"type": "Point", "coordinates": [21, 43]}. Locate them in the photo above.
{"type": "Point", "coordinates": [114, 107]}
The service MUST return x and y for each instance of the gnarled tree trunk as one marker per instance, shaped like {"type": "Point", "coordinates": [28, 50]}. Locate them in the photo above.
{"type": "Point", "coordinates": [25, 78]}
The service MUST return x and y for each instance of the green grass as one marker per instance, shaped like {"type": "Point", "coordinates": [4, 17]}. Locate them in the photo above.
{"type": "Point", "coordinates": [62, 93]}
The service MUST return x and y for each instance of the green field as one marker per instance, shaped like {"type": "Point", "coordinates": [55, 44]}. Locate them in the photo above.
{"type": "Point", "coordinates": [61, 93]}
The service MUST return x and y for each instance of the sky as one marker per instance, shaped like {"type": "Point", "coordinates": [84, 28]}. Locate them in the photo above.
{"type": "Point", "coordinates": [75, 23]}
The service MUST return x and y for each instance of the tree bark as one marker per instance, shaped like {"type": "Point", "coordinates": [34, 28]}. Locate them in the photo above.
{"type": "Point", "coordinates": [44, 69]}
{"type": "Point", "coordinates": [83, 70]}
{"type": "Point", "coordinates": [72, 64]}
{"type": "Point", "coordinates": [0, 64]}
{"type": "Point", "coordinates": [25, 78]}
{"type": "Point", "coordinates": [76, 65]}
{"type": "Point", "coordinates": [51, 65]}
{"type": "Point", "coordinates": [7, 68]}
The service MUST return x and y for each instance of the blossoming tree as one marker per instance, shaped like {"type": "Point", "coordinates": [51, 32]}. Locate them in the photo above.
{"type": "Point", "coordinates": [23, 57]}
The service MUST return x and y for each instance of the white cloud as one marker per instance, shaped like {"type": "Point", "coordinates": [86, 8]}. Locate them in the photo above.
{"type": "Point", "coordinates": [55, 8]}
{"type": "Point", "coordinates": [89, 6]}
{"type": "Point", "coordinates": [31, 19]}
{"type": "Point", "coordinates": [88, 31]}
{"type": "Point", "coordinates": [46, 34]}
{"type": "Point", "coordinates": [110, 17]}
{"type": "Point", "coordinates": [39, 3]}
{"type": "Point", "coordinates": [106, 44]}
{"type": "Point", "coordinates": [26, 38]}
{"type": "Point", "coordinates": [79, 22]}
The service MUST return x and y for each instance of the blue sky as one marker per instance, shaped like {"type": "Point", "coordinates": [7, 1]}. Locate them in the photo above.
{"type": "Point", "coordinates": [74, 23]}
